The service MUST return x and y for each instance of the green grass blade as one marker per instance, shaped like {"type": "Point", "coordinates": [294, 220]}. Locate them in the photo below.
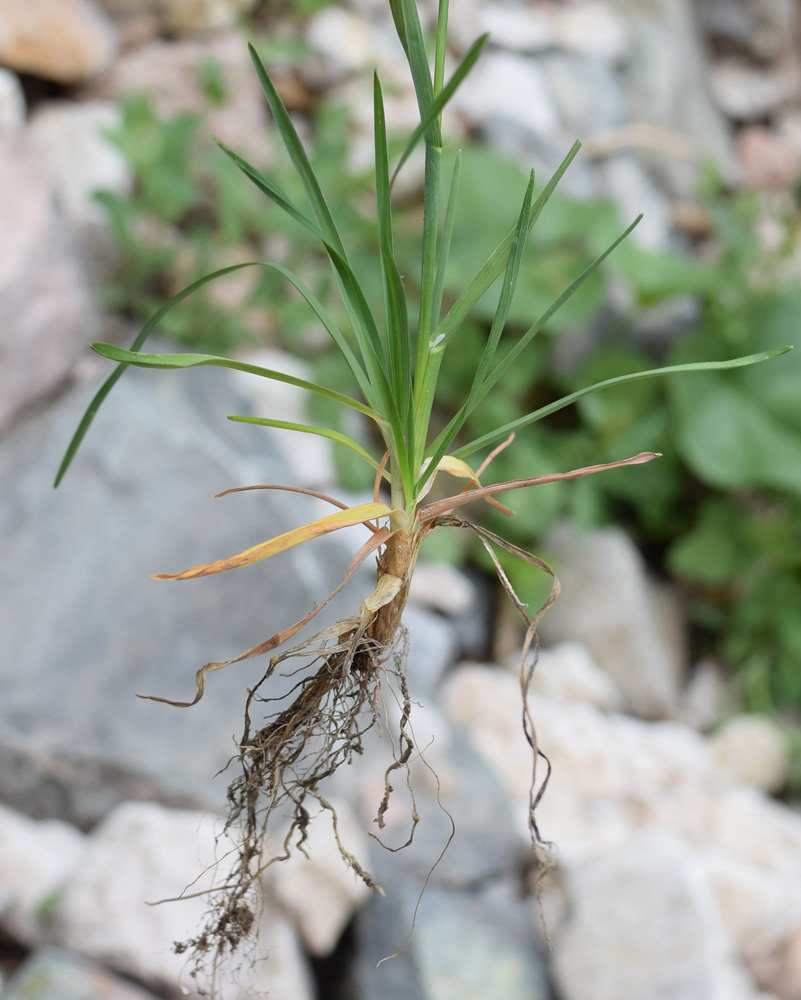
{"type": "Point", "coordinates": [447, 236]}
{"type": "Point", "coordinates": [297, 154]}
{"type": "Point", "coordinates": [173, 361]}
{"type": "Point", "coordinates": [396, 315]}
{"type": "Point", "coordinates": [507, 291]}
{"type": "Point", "coordinates": [441, 47]}
{"type": "Point", "coordinates": [414, 44]}
{"type": "Point", "coordinates": [342, 439]}
{"type": "Point", "coordinates": [440, 101]}
{"type": "Point", "coordinates": [560, 404]}
{"type": "Point", "coordinates": [495, 263]}
{"type": "Point", "coordinates": [273, 192]}
{"type": "Point", "coordinates": [111, 381]}
{"type": "Point", "coordinates": [555, 306]}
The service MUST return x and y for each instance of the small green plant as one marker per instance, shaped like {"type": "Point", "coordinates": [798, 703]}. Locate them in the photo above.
{"type": "Point", "coordinates": [394, 359]}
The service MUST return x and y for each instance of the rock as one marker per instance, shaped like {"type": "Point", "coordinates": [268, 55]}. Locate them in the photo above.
{"type": "Point", "coordinates": [83, 628]}
{"type": "Point", "coordinates": [634, 631]}
{"type": "Point", "coordinates": [763, 29]}
{"type": "Point", "coordinates": [307, 456]}
{"type": "Point", "coordinates": [635, 192]}
{"type": "Point", "coordinates": [667, 87]}
{"type": "Point", "coordinates": [516, 29]}
{"type": "Point", "coordinates": [586, 90]}
{"type": "Point", "coordinates": [568, 673]}
{"type": "Point", "coordinates": [190, 17]}
{"type": "Point", "coordinates": [769, 161]}
{"type": "Point", "coordinates": [46, 311]}
{"type": "Point", "coordinates": [62, 40]}
{"type": "Point", "coordinates": [443, 588]}
{"type": "Point", "coordinates": [591, 28]}
{"type": "Point", "coordinates": [706, 697]}
{"type": "Point", "coordinates": [54, 974]}
{"type": "Point", "coordinates": [316, 888]}
{"type": "Point", "coordinates": [171, 73]}
{"type": "Point", "coordinates": [342, 39]}
{"type": "Point", "coordinates": [141, 854]}
{"type": "Point", "coordinates": [752, 750]}
{"type": "Point", "coordinates": [465, 945]}
{"type": "Point", "coordinates": [510, 90]}
{"type": "Point", "coordinates": [68, 140]}
{"type": "Point", "coordinates": [644, 924]}
{"type": "Point", "coordinates": [781, 971]}
{"type": "Point", "coordinates": [748, 93]}
{"type": "Point", "coordinates": [35, 860]}
{"type": "Point", "coordinates": [12, 103]}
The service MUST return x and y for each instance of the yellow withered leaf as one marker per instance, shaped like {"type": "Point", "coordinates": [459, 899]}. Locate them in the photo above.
{"type": "Point", "coordinates": [325, 525]}
{"type": "Point", "coordinates": [459, 468]}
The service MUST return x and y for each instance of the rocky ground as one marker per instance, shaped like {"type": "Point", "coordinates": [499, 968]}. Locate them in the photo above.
{"type": "Point", "coordinates": [677, 871]}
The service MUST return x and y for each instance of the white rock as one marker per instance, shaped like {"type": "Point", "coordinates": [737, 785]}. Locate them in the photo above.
{"type": "Point", "coordinates": [645, 924]}
{"type": "Point", "coordinates": [752, 751]}
{"type": "Point", "coordinates": [635, 192]}
{"type": "Point", "coordinates": [633, 630]}
{"type": "Point", "coordinates": [35, 860]}
{"type": "Point", "coordinates": [143, 853]}
{"type": "Point", "coordinates": [47, 314]}
{"type": "Point", "coordinates": [591, 28]}
{"type": "Point", "coordinates": [318, 891]}
{"type": "Point", "coordinates": [307, 455]}
{"type": "Point", "coordinates": [188, 17]}
{"type": "Point", "coordinates": [12, 103]}
{"type": "Point", "coordinates": [568, 673]}
{"type": "Point", "coordinates": [706, 695]}
{"type": "Point", "coordinates": [507, 88]}
{"type": "Point", "coordinates": [442, 587]}
{"type": "Point", "coordinates": [748, 93]}
{"type": "Point", "coordinates": [516, 29]}
{"type": "Point", "coordinates": [342, 38]}
{"type": "Point", "coordinates": [79, 160]}
{"type": "Point", "coordinates": [63, 40]}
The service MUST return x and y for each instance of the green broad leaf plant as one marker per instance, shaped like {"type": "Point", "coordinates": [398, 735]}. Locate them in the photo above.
{"type": "Point", "coordinates": [394, 358]}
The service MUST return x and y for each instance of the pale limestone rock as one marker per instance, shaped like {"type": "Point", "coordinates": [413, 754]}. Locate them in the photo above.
{"type": "Point", "coordinates": [706, 695]}
{"type": "Point", "coordinates": [142, 853]}
{"type": "Point", "coordinates": [568, 673]}
{"type": "Point", "coordinates": [316, 888]}
{"type": "Point", "coordinates": [751, 749]}
{"type": "Point", "coordinates": [748, 93]}
{"type": "Point", "coordinates": [69, 142]}
{"type": "Point", "coordinates": [190, 17]}
{"type": "Point", "coordinates": [507, 88]}
{"type": "Point", "coordinates": [47, 314]}
{"type": "Point", "coordinates": [644, 924]}
{"type": "Point", "coordinates": [442, 587]}
{"type": "Point", "coordinates": [62, 40]}
{"type": "Point", "coordinates": [35, 860]}
{"type": "Point", "coordinates": [769, 160]}
{"type": "Point", "coordinates": [633, 629]}
{"type": "Point", "coordinates": [12, 103]}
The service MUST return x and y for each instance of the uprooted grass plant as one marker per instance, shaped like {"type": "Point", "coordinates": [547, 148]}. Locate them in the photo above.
{"type": "Point", "coordinates": [351, 669]}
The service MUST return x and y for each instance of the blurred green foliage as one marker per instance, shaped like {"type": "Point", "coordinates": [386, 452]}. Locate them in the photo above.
{"type": "Point", "coordinates": [720, 513]}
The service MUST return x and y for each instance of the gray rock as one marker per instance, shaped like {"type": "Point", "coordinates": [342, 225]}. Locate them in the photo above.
{"type": "Point", "coordinates": [587, 91]}
{"type": "Point", "coordinates": [82, 627]}
{"type": "Point", "coordinates": [761, 28]}
{"type": "Point", "coordinates": [46, 311]}
{"type": "Point", "coordinates": [644, 924]}
{"type": "Point", "coordinates": [667, 87]}
{"type": "Point", "coordinates": [467, 945]}
{"type": "Point", "coordinates": [55, 974]}
{"type": "Point", "coordinates": [634, 630]}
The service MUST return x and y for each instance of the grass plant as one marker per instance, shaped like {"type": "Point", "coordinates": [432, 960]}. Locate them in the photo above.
{"type": "Point", "coordinates": [394, 358]}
